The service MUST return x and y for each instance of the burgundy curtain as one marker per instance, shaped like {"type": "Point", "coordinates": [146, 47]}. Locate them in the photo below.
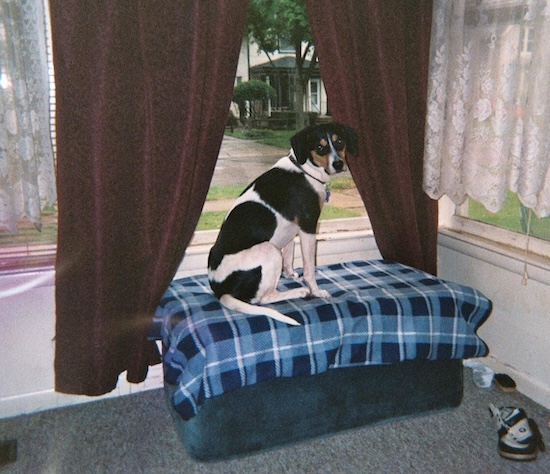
{"type": "Point", "coordinates": [143, 90]}
{"type": "Point", "coordinates": [373, 57]}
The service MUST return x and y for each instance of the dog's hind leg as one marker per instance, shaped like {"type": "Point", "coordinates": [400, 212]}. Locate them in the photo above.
{"type": "Point", "coordinates": [272, 263]}
{"type": "Point", "coordinates": [273, 296]}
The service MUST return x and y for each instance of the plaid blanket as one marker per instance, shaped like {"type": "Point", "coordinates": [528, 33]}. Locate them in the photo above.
{"type": "Point", "coordinates": [380, 312]}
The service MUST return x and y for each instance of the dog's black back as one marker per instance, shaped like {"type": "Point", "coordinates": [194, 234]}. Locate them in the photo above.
{"type": "Point", "coordinates": [252, 222]}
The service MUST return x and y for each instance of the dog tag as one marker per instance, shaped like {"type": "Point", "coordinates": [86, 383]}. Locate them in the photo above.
{"type": "Point", "coordinates": [327, 195]}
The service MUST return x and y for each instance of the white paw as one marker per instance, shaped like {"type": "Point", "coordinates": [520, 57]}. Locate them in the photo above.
{"type": "Point", "coordinates": [321, 293]}
{"type": "Point", "coordinates": [290, 274]}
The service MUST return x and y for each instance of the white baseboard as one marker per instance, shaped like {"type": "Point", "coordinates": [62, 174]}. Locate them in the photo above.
{"type": "Point", "coordinates": [50, 399]}
{"type": "Point", "coordinates": [526, 385]}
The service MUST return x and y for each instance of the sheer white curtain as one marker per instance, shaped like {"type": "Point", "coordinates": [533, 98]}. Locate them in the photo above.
{"type": "Point", "coordinates": [488, 121]}
{"type": "Point", "coordinates": [27, 178]}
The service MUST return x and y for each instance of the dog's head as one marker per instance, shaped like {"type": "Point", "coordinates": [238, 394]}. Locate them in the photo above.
{"type": "Point", "coordinates": [325, 146]}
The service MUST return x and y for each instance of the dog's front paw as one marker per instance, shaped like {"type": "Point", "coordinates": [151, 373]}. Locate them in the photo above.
{"type": "Point", "coordinates": [290, 273]}
{"type": "Point", "coordinates": [320, 293]}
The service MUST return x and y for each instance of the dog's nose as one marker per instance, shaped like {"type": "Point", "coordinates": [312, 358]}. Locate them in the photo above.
{"type": "Point", "coordinates": [338, 165]}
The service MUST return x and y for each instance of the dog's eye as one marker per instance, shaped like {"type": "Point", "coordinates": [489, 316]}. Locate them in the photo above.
{"type": "Point", "coordinates": [339, 144]}
{"type": "Point", "coordinates": [322, 149]}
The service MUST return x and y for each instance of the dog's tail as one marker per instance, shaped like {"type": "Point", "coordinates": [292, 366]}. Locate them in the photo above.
{"type": "Point", "coordinates": [235, 304]}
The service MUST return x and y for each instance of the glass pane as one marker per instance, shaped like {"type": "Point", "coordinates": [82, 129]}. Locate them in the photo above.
{"type": "Point", "coordinates": [513, 216]}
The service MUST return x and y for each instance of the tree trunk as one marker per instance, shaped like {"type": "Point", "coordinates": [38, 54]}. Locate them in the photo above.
{"type": "Point", "coordinates": [299, 104]}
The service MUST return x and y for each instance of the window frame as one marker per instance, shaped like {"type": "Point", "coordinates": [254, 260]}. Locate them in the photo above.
{"type": "Point", "coordinates": [451, 218]}
{"type": "Point", "coordinates": [33, 255]}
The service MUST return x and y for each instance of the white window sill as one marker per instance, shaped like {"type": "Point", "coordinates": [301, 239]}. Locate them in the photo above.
{"type": "Point", "coordinates": [332, 226]}
{"type": "Point", "coordinates": [502, 255]}
{"type": "Point", "coordinates": [337, 240]}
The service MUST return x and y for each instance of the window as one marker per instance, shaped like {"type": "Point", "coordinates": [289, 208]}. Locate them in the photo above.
{"type": "Point", "coordinates": [344, 211]}
{"type": "Point", "coordinates": [487, 119]}
{"type": "Point", "coordinates": [239, 163]}
{"type": "Point", "coordinates": [514, 225]}
{"type": "Point", "coordinates": [30, 247]}
{"type": "Point", "coordinates": [314, 95]}
{"type": "Point", "coordinates": [285, 45]}
{"type": "Point", "coordinates": [514, 216]}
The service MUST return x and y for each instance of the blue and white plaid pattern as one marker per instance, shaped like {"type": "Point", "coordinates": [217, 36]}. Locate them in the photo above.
{"type": "Point", "coordinates": [380, 312]}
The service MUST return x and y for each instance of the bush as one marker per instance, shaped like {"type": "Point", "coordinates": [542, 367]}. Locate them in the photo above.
{"type": "Point", "coordinates": [252, 91]}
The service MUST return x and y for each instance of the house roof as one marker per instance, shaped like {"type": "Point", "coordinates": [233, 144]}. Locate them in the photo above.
{"type": "Point", "coordinates": [284, 62]}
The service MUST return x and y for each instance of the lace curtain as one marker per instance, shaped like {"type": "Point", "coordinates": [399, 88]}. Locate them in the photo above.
{"type": "Point", "coordinates": [26, 159]}
{"type": "Point", "coordinates": [488, 119]}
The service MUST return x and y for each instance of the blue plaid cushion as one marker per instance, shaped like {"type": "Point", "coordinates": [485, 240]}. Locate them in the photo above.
{"type": "Point", "coordinates": [380, 312]}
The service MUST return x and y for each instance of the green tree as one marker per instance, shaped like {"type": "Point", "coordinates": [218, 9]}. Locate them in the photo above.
{"type": "Point", "coordinates": [270, 20]}
{"type": "Point", "coordinates": [255, 93]}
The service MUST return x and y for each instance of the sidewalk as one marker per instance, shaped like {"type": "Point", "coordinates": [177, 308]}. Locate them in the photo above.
{"type": "Point", "coordinates": [242, 161]}
{"type": "Point", "coordinates": [237, 148]}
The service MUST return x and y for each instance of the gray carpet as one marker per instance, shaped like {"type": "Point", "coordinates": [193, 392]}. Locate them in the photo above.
{"type": "Point", "coordinates": [134, 434]}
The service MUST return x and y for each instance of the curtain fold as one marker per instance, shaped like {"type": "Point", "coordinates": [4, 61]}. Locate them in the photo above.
{"type": "Point", "coordinates": [373, 58]}
{"type": "Point", "coordinates": [27, 175]}
{"type": "Point", "coordinates": [143, 91]}
{"type": "Point", "coordinates": [488, 128]}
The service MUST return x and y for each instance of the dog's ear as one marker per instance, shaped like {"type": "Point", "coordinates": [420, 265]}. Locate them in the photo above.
{"type": "Point", "coordinates": [351, 139]}
{"type": "Point", "coordinates": [301, 144]}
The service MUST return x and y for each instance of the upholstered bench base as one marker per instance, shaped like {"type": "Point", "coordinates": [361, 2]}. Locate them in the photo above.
{"type": "Point", "coordinates": [286, 410]}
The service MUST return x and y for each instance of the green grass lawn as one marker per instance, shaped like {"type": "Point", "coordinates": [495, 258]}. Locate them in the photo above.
{"type": "Point", "coordinates": [210, 220]}
{"type": "Point", "coordinates": [28, 235]}
{"type": "Point", "coordinates": [231, 191]}
{"type": "Point", "coordinates": [512, 216]}
{"type": "Point", "coordinates": [333, 212]}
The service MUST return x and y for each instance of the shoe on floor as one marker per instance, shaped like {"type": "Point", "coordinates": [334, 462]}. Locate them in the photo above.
{"type": "Point", "coordinates": [519, 437]}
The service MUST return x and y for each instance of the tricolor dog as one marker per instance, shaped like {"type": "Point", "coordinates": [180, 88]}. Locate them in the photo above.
{"type": "Point", "coordinates": [256, 240]}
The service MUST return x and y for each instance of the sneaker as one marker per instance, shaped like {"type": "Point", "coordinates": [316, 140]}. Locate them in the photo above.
{"type": "Point", "coordinates": [519, 437]}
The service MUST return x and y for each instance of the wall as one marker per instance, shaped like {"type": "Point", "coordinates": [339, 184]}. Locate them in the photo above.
{"type": "Point", "coordinates": [27, 319]}
{"type": "Point", "coordinates": [518, 330]}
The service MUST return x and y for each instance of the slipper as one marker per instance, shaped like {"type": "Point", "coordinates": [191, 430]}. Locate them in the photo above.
{"type": "Point", "coordinates": [505, 382]}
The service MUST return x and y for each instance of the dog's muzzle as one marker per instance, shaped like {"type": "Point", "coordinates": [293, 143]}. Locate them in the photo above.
{"type": "Point", "coordinates": [338, 166]}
